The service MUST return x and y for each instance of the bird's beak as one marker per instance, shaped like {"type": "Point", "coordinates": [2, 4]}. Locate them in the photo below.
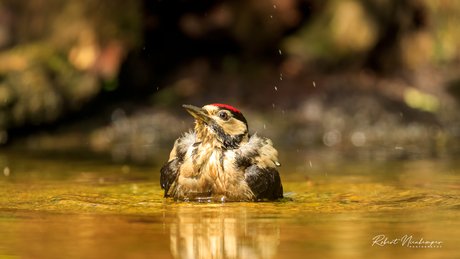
{"type": "Point", "coordinates": [197, 112]}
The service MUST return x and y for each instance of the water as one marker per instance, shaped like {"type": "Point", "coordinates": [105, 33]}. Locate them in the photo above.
{"type": "Point", "coordinates": [69, 208]}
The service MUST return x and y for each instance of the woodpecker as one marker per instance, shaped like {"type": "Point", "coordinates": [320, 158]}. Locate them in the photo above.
{"type": "Point", "coordinates": [220, 161]}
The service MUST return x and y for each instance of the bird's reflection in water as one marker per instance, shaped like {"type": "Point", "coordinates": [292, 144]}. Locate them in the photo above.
{"type": "Point", "coordinates": [217, 233]}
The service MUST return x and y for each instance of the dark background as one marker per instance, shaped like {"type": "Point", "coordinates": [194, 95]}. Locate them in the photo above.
{"type": "Point", "coordinates": [361, 79]}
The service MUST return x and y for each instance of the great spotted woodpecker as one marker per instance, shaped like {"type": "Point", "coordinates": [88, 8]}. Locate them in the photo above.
{"type": "Point", "coordinates": [220, 161]}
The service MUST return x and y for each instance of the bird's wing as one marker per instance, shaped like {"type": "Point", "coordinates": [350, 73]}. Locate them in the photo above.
{"type": "Point", "coordinates": [169, 175]}
{"type": "Point", "coordinates": [260, 159]}
{"type": "Point", "coordinates": [258, 150]}
{"type": "Point", "coordinates": [265, 183]}
{"type": "Point", "coordinates": [170, 170]}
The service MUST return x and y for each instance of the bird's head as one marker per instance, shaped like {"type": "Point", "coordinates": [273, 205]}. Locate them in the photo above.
{"type": "Point", "coordinates": [219, 122]}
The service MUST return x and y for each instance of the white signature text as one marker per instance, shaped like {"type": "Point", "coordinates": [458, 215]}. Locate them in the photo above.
{"type": "Point", "coordinates": [409, 241]}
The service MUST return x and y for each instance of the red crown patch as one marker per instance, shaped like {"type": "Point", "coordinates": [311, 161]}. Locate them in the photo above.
{"type": "Point", "coordinates": [226, 106]}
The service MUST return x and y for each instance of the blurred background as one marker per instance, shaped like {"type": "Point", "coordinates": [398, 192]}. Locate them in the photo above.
{"type": "Point", "coordinates": [370, 80]}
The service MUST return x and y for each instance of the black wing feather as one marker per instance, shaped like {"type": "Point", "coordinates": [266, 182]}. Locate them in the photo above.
{"type": "Point", "coordinates": [265, 183]}
{"type": "Point", "coordinates": [169, 174]}
{"type": "Point", "coordinates": [170, 170]}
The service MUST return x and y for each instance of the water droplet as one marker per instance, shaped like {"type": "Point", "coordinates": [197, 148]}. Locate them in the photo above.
{"type": "Point", "coordinates": [271, 16]}
{"type": "Point", "coordinates": [265, 127]}
{"type": "Point", "coordinates": [273, 105]}
{"type": "Point", "coordinates": [282, 111]}
{"type": "Point", "coordinates": [274, 6]}
{"type": "Point", "coordinates": [314, 85]}
{"type": "Point", "coordinates": [158, 88]}
{"type": "Point", "coordinates": [280, 52]}
{"type": "Point", "coordinates": [281, 79]}
{"type": "Point", "coordinates": [276, 89]}
{"type": "Point", "coordinates": [311, 164]}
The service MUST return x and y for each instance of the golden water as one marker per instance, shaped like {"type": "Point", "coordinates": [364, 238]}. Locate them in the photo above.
{"type": "Point", "coordinates": [69, 208]}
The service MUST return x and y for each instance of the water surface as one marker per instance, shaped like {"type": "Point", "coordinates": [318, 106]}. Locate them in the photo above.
{"type": "Point", "coordinates": [86, 208]}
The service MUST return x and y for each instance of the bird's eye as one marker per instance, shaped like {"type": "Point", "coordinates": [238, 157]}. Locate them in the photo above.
{"type": "Point", "coordinates": [223, 115]}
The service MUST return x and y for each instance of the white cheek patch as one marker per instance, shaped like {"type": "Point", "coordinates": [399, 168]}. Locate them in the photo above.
{"type": "Point", "coordinates": [233, 126]}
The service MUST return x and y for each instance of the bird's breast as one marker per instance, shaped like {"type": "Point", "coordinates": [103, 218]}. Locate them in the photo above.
{"type": "Point", "coordinates": [212, 172]}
